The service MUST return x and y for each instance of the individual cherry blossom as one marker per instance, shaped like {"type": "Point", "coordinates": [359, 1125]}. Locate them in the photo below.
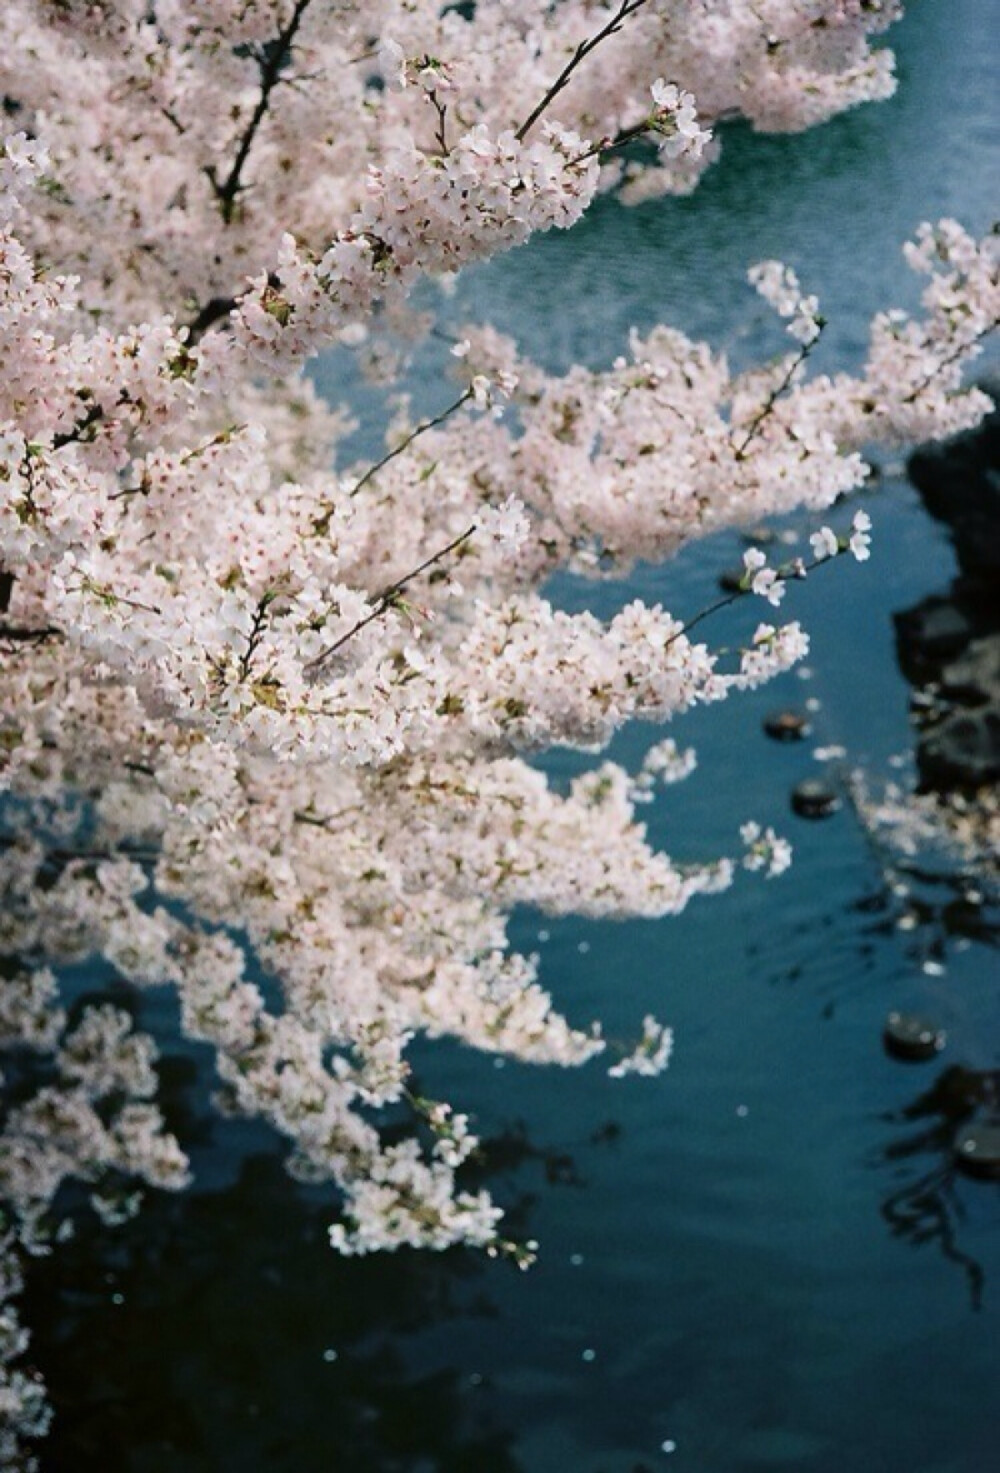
{"type": "Point", "coordinates": [860, 542]}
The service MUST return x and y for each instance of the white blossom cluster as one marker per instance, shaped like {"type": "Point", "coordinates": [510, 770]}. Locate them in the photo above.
{"type": "Point", "coordinates": [264, 710]}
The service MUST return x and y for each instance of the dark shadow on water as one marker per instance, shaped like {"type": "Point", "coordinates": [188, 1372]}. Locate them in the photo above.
{"type": "Point", "coordinates": [948, 647]}
{"type": "Point", "coordinates": [930, 1209]}
{"type": "Point", "coordinates": [219, 1332]}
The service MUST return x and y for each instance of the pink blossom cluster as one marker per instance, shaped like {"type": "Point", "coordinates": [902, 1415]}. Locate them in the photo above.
{"type": "Point", "coordinates": [266, 711]}
{"type": "Point", "coordinates": [291, 116]}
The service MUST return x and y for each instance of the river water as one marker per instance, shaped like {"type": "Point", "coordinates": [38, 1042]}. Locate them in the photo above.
{"type": "Point", "coordinates": [754, 1262]}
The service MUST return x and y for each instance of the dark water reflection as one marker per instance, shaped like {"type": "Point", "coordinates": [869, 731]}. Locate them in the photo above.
{"type": "Point", "coordinates": [220, 1335]}
{"type": "Point", "coordinates": [929, 1209]}
{"type": "Point", "coordinates": [763, 1260]}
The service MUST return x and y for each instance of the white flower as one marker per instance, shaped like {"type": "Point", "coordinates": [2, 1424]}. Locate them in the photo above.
{"type": "Point", "coordinates": [675, 120]}
{"type": "Point", "coordinates": [665, 95]}
{"type": "Point", "coordinates": [824, 544]}
{"type": "Point", "coordinates": [765, 850]}
{"type": "Point", "coordinates": [507, 525]}
{"type": "Point", "coordinates": [667, 762]}
{"type": "Point", "coordinates": [25, 154]}
{"type": "Point", "coordinates": [779, 286]}
{"type": "Point", "coordinates": [392, 64]}
{"type": "Point", "coordinates": [482, 391]}
{"type": "Point", "coordinates": [767, 584]}
{"type": "Point", "coordinates": [860, 542]}
{"type": "Point", "coordinates": [764, 581]}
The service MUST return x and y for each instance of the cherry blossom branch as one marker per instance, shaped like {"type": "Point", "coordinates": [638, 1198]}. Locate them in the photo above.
{"type": "Point", "coordinates": [797, 568]}
{"type": "Point", "coordinates": [19, 633]}
{"type": "Point", "coordinates": [608, 145]}
{"type": "Point", "coordinates": [625, 9]}
{"type": "Point", "coordinates": [271, 61]}
{"type": "Point", "coordinates": [731, 598]}
{"type": "Point", "coordinates": [426, 424]}
{"type": "Point", "coordinates": [768, 406]}
{"type": "Point", "coordinates": [387, 598]}
{"type": "Point", "coordinates": [952, 357]}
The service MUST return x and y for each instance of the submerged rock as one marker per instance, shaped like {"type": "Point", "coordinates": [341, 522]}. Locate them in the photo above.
{"type": "Point", "coordinates": [814, 799]}
{"type": "Point", "coordinates": [934, 630]}
{"type": "Point", "coordinates": [952, 642]}
{"type": "Point", "coordinates": [977, 1149]}
{"type": "Point", "coordinates": [963, 749]}
{"type": "Point", "coordinates": [915, 1039]}
{"type": "Point", "coordinates": [959, 483]}
{"type": "Point", "coordinates": [787, 726]}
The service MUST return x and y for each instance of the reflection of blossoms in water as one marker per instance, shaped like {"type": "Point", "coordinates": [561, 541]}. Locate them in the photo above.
{"type": "Point", "coordinates": [911, 823]}
{"type": "Point", "coordinates": [652, 1053]}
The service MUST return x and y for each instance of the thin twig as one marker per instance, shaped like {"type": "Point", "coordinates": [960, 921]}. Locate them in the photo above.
{"type": "Point", "coordinates": [796, 569]}
{"type": "Point", "coordinates": [773, 397]}
{"type": "Point", "coordinates": [441, 108]}
{"type": "Point", "coordinates": [256, 632]}
{"type": "Point", "coordinates": [608, 145]}
{"type": "Point", "coordinates": [953, 357]}
{"type": "Point", "coordinates": [325, 821]}
{"type": "Point", "coordinates": [386, 599]}
{"type": "Point", "coordinates": [426, 424]}
{"type": "Point", "coordinates": [625, 9]}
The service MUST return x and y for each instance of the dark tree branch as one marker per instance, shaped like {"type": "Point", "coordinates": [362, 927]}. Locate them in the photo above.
{"type": "Point", "coordinates": [93, 416]}
{"type": "Point", "coordinates": [21, 635]}
{"type": "Point", "coordinates": [271, 60]}
{"type": "Point", "coordinates": [425, 424]}
{"type": "Point", "coordinates": [386, 599]}
{"type": "Point", "coordinates": [625, 9]}
{"type": "Point", "coordinates": [212, 312]}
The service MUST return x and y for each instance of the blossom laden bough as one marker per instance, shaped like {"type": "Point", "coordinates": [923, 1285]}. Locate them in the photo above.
{"type": "Point", "coordinates": [267, 710]}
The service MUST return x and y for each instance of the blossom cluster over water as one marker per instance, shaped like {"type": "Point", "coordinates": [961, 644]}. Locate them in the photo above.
{"type": "Point", "coordinates": [266, 710]}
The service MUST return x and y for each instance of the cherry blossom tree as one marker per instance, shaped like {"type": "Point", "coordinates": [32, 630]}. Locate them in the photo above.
{"type": "Point", "coordinates": [266, 711]}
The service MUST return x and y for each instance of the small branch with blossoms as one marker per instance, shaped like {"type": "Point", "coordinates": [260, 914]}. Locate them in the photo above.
{"type": "Point", "coordinates": [625, 9]}
{"type": "Point", "coordinates": [673, 120]}
{"type": "Point", "coordinates": [389, 598]}
{"type": "Point", "coordinates": [955, 356]}
{"type": "Point", "coordinates": [779, 286]}
{"type": "Point", "coordinates": [404, 444]}
{"type": "Point", "coordinates": [770, 583]}
{"type": "Point", "coordinates": [483, 392]}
